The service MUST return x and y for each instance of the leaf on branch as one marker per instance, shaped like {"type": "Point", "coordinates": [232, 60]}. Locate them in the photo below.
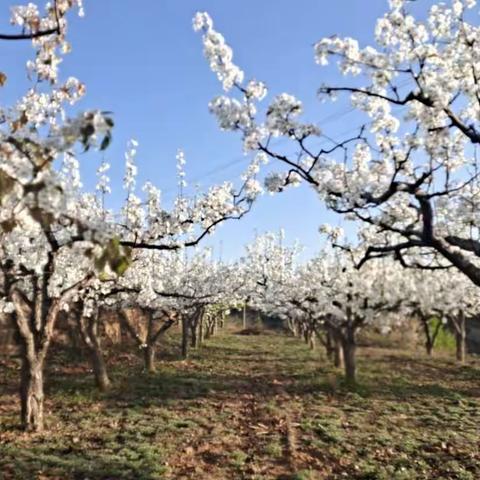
{"type": "Point", "coordinates": [3, 79]}
{"type": "Point", "coordinates": [116, 257]}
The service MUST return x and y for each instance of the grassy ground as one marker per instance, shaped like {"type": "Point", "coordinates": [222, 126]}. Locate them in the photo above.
{"type": "Point", "coordinates": [251, 407]}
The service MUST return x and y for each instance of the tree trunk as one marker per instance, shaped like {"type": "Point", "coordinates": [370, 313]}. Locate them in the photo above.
{"type": "Point", "coordinates": [100, 370]}
{"type": "Point", "coordinates": [244, 317]}
{"type": "Point", "coordinates": [337, 353]}
{"type": "Point", "coordinates": [149, 357]}
{"type": "Point", "coordinates": [329, 346]}
{"type": "Point", "coordinates": [292, 326]}
{"type": "Point", "coordinates": [184, 336]}
{"type": "Point", "coordinates": [213, 330]}
{"type": "Point", "coordinates": [200, 330]}
{"type": "Point", "coordinates": [349, 348]}
{"type": "Point", "coordinates": [193, 336]}
{"type": "Point", "coordinates": [35, 325]}
{"type": "Point", "coordinates": [31, 393]}
{"type": "Point", "coordinates": [35, 322]}
{"type": "Point", "coordinates": [460, 347]}
{"type": "Point", "coordinates": [430, 336]}
{"type": "Point", "coordinates": [460, 337]}
{"type": "Point", "coordinates": [89, 331]}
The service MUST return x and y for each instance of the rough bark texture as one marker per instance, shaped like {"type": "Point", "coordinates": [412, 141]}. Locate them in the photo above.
{"type": "Point", "coordinates": [149, 357]}
{"type": "Point", "coordinates": [31, 393]}
{"type": "Point", "coordinates": [35, 322]}
{"type": "Point", "coordinates": [349, 348]}
{"type": "Point", "coordinates": [349, 358]}
{"type": "Point", "coordinates": [100, 370]}
{"type": "Point", "coordinates": [89, 331]}
{"type": "Point", "coordinates": [193, 335]}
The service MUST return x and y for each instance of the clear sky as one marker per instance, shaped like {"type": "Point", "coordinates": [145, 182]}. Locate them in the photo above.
{"type": "Point", "coordinates": [141, 60]}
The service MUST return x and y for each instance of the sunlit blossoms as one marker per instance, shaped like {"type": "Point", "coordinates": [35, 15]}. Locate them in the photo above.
{"type": "Point", "coordinates": [410, 170]}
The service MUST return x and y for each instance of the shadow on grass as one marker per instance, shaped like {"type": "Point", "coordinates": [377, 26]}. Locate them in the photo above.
{"type": "Point", "coordinates": [225, 370]}
{"type": "Point", "coordinates": [68, 463]}
{"type": "Point", "coordinates": [126, 432]}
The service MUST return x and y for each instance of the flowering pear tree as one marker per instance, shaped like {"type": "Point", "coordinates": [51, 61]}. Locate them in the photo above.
{"type": "Point", "coordinates": [57, 240]}
{"type": "Point", "coordinates": [411, 170]}
{"type": "Point", "coordinates": [35, 206]}
{"type": "Point", "coordinates": [330, 295]}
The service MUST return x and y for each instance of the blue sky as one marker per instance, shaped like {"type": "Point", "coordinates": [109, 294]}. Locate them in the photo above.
{"type": "Point", "coordinates": [141, 60]}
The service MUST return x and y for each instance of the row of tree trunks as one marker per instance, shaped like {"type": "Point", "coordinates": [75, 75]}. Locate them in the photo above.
{"type": "Point", "coordinates": [212, 323]}
{"type": "Point", "coordinates": [432, 330]}
{"type": "Point", "coordinates": [197, 327]}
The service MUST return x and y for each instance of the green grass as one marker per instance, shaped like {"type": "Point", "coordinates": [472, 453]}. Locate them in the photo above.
{"type": "Point", "coordinates": [250, 407]}
{"type": "Point", "coordinates": [445, 339]}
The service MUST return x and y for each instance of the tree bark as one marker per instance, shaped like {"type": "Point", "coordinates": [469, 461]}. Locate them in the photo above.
{"type": "Point", "coordinates": [193, 335]}
{"type": "Point", "coordinates": [185, 328]}
{"type": "Point", "coordinates": [149, 356]}
{"type": "Point", "coordinates": [329, 346]}
{"type": "Point", "coordinates": [200, 330]}
{"type": "Point", "coordinates": [152, 339]}
{"type": "Point", "coordinates": [460, 347]}
{"type": "Point", "coordinates": [89, 331]}
{"type": "Point", "coordinates": [350, 362]}
{"type": "Point", "coordinates": [338, 359]}
{"type": "Point", "coordinates": [460, 337]}
{"type": "Point", "coordinates": [148, 344]}
{"type": "Point", "coordinates": [213, 329]}
{"type": "Point", "coordinates": [349, 348]}
{"type": "Point", "coordinates": [430, 336]}
{"type": "Point", "coordinates": [31, 393]}
{"type": "Point", "coordinates": [100, 370]}
{"type": "Point", "coordinates": [35, 322]}
{"type": "Point", "coordinates": [292, 326]}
